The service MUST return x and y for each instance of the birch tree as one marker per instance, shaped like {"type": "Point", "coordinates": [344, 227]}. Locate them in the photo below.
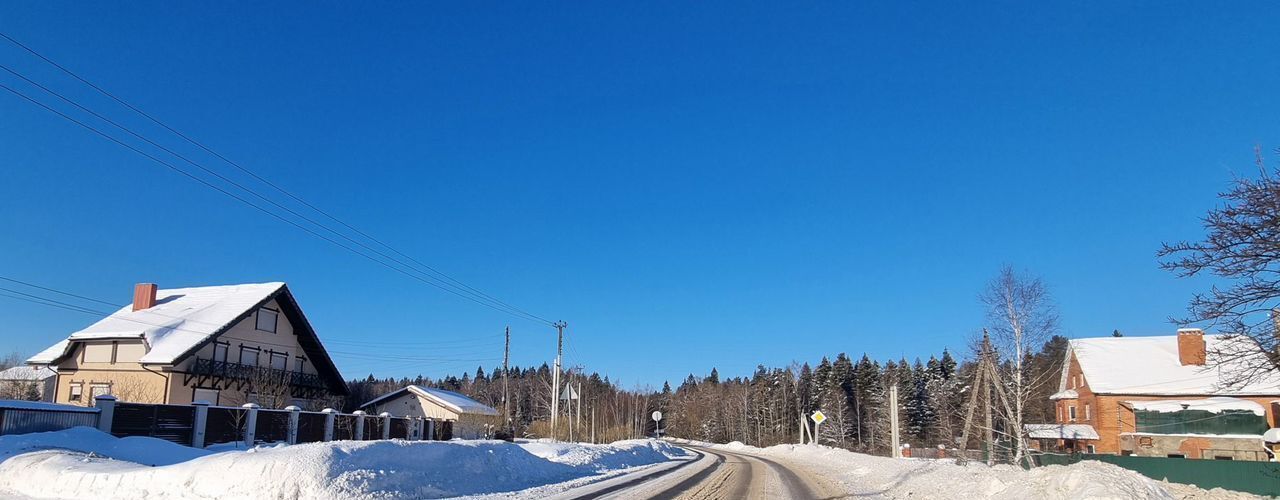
{"type": "Point", "coordinates": [1020, 314]}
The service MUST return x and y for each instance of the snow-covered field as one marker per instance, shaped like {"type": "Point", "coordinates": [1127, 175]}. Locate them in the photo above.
{"type": "Point", "coordinates": [86, 463]}
{"type": "Point", "coordinates": [882, 477]}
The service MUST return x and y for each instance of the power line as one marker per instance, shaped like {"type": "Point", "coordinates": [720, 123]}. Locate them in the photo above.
{"type": "Point", "coordinates": [475, 295]}
{"type": "Point", "coordinates": [255, 206]}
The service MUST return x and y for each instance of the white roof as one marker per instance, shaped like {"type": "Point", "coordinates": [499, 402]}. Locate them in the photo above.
{"type": "Point", "coordinates": [1067, 394]}
{"type": "Point", "coordinates": [1060, 431]}
{"type": "Point", "coordinates": [1212, 405]}
{"type": "Point", "coordinates": [27, 373]}
{"type": "Point", "coordinates": [448, 399]}
{"type": "Point", "coordinates": [182, 319]}
{"type": "Point", "coordinates": [1150, 366]}
{"type": "Point", "coordinates": [1272, 435]}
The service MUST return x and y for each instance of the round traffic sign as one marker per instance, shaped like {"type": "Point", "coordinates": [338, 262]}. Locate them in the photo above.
{"type": "Point", "coordinates": [657, 416]}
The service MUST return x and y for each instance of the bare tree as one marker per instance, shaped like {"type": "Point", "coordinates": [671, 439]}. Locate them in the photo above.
{"type": "Point", "coordinates": [137, 389]}
{"type": "Point", "coordinates": [1243, 246]}
{"type": "Point", "coordinates": [1021, 316]}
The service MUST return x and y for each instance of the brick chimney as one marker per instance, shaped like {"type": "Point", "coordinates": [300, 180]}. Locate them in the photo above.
{"type": "Point", "coordinates": [1191, 346]}
{"type": "Point", "coordinates": [144, 296]}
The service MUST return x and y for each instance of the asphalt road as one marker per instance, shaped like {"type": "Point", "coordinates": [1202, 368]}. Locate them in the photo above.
{"type": "Point", "coordinates": [719, 474]}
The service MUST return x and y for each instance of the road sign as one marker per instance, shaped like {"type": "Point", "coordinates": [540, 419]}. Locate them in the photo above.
{"type": "Point", "coordinates": [568, 393]}
{"type": "Point", "coordinates": [657, 416]}
{"type": "Point", "coordinates": [818, 417]}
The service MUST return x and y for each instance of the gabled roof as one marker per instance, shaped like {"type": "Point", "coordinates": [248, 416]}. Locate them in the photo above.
{"type": "Point", "coordinates": [448, 399]}
{"type": "Point", "coordinates": [1150, 366]}
{"type": "Point", "coordinates": [185, 319]}
{"type": "Point", "coordinates": [182, 318]}
{"type": "Point", "coordinates": [27, 373]}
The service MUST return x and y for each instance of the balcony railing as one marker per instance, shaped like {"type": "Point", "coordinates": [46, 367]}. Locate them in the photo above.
{"type": "Point", "coordinates": [257, 374]}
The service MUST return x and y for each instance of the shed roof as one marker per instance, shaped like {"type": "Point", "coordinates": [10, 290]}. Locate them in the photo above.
{"type": "Point", "coordinates": [1060, 431]}
{"type": "Point", "coordinates": [448, 399]}
{"type": "Point", "coordinates": [27, 373]}
{"type": "Point", "coordinates": [1151, 366]}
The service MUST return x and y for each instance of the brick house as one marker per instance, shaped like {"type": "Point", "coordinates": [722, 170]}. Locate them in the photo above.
{"type": "Point", "coordinates": [1160, 396]}
{"type": "Point", "coordinates": [228, 345]}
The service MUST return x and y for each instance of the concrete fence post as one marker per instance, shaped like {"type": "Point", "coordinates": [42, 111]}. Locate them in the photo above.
{"type": "Point", "coordinates": [250, 423]}
{"type": "Point", "coordinates": [359, 434]}
{"type": "Point", "coordinates": [294, 413]}
{"type": "Point", "coordinates": [431, 429]}
{"type": "Point", "coordinates": [386, 425]}
{"type": "Point", "coordinates": [200, 423]}
{"type": "Point", "coordinates": [106, 405]}
{"type": "Point", "coordinates": [329, 414]}
{"type": "Point", "coordinates": [418, 424]}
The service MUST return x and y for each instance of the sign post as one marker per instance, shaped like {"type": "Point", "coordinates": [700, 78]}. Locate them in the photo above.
{"type": "Point", "coordinates": [657, 424]}
{"type": "Point", "coordinates": [818, 418]}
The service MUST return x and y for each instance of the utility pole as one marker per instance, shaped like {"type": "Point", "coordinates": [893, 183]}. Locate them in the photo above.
{"type": "Point", "coordinates": [577, 417]}
{"type": "Point", "coordinates": [893, 420]}
{"type": "Point", "coordinates": [555, 377]}
{"type": "Point", "coordinates": [506, 396]}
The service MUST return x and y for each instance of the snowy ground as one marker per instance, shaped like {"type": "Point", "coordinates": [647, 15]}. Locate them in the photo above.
{"type": "Point", "coordinates": [86, 463]}
{"type": "Point", "coordinates": [882, 477]}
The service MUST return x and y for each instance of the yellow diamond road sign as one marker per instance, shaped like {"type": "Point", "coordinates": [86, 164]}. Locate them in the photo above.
{"type": "Point", "coordinates": [818, 417]}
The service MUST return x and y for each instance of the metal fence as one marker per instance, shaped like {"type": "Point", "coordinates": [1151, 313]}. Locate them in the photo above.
{"type": "Point", "coordinates": [44, 418]}
{"type": "Point", "coordinates": [1262, 478]}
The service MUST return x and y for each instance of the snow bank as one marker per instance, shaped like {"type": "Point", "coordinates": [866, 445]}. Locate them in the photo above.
{"type": "Point", "coordinates": [882, 477]}
{"type": "Point", "coordinates": [85, 463]}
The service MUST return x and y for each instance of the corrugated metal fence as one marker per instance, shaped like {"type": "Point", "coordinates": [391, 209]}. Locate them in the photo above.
{"type": "Point", "coordinates": [1262, 478]}
{"type": "Point", "coordinates": [44, 418]}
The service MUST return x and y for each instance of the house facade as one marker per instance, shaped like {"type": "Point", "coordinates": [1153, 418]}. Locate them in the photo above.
{"type": "Point", "coordinates": [1166, 396]}
{"type": "Point", "coordinates": [31, 383]}
{"type": "Point", "coordinates": [228, 345]}
{"type": "Point", "coordinates": [470, 418]}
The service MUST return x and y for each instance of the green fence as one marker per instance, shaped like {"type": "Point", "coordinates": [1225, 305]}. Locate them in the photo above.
{"type": "Point", "coordinates": [1262, 478]}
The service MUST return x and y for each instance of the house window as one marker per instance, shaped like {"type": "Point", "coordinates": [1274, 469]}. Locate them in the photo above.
{"type": "Point", "coordinates": [1223, 457]}
{"type": "Point", "coordinates": [297, 364]}
{"type": "Point", "coordinates": [1071, 412]}
{"type": "Point", "coordinates": [96, 390]}
{"type": "Point", "coordinates": [279, 361]}
{"type": "Point", "coordinates": [249, 356]}
{"type": "Point", "coordinates": [1091, 449]}
{"type": "Point", "coordinates": [77, 392]}
{"type": "Point", "coordinates": [220, 352]}
{"type": "Point", "coordinates": [267, 320]}
{"type": "Point", "coordinates": [1176, 455]}
{"type": "Point", "coordinates": [1086, 411]}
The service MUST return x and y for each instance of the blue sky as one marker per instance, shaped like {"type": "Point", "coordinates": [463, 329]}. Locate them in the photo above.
{"type": "Point", "coordinates": [687, 186]}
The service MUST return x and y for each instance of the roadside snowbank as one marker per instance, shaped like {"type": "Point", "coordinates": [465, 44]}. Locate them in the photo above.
{"type": "Point", "coordinates": [85, 463]}
{"type": "Point", "coordinates": [882, 477]}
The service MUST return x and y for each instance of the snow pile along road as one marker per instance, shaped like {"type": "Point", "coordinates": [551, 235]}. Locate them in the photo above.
{"type": "Point", "coordinates": [86, 463]}
{"type": "Point", "coordinates": [883, 477]}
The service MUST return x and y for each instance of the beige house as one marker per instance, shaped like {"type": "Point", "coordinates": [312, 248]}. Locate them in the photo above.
{"type": "Point", "coordinates": [470, 418]}
{"type": "Point", "coordinates": [224, 344]}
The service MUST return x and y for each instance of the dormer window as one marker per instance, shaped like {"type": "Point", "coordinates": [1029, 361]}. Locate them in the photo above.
{"type": "Point", "coordinates": [267, 320]}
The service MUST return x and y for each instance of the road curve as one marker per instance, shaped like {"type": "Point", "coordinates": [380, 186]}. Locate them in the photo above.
{"type": "Point", "coordinates": [716, 474]}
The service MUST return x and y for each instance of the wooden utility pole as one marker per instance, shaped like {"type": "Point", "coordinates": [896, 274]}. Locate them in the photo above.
{"type": "Point", "coordinates": [555, 377]}
{"type": "Point", "coordinates": [985, 382]}
{"type": "Point", "coordinates": [506, 396]}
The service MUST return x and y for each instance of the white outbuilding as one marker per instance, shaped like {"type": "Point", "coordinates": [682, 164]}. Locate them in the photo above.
{"type": "Point", "coordinates": [457, 415]}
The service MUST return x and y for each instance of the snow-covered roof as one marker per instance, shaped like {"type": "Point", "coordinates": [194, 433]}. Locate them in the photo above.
{"type": "Point", "coordinates": [39, 405]}
{"type": "Point", "coordinates": [27, 373]}
{"type": "Point", "coordinates": [1067, 394]}
{"type": "Point", "coordinates": [1151, 366]}
{"type": "Point", "coordinates": [1272, 435]}
{"type": "Point", "coordinates": [182, 319]}
{"type": "Point", "coordinates": [1060, 431]}
{"type": "Point", "coordinates": [1212, 405]}
{"type": "Point", "coordinates": [448, 399]}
